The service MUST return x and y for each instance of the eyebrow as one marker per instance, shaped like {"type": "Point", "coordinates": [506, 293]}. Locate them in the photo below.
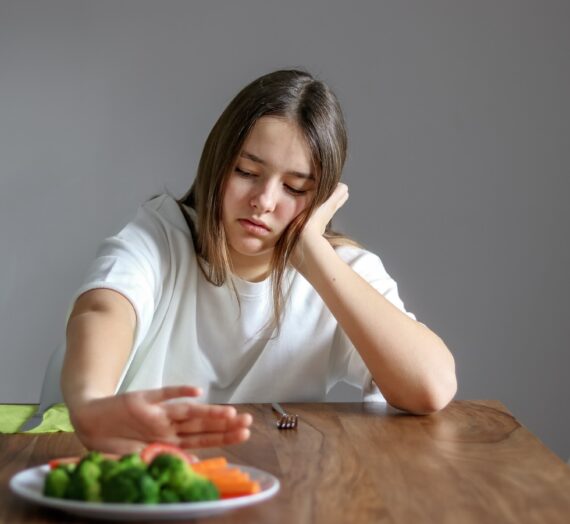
{"type": "Point", "coordinates": [255, 158]}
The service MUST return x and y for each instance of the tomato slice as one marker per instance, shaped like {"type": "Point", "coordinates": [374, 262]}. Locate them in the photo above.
{"type": "Point", "coordinates": [157, 448]}
{"type": "Point", "coordinates": [54, 463]}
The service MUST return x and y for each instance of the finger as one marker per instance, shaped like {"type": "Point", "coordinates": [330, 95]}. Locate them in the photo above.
{"type": "Point", "coordinates": [176, 411]}
{"type": "Point", "coordinates": [343, 201]}
{"type": "Point", "coordinates": [207, 440]}
{"type": "Point", "coordinates": [200, 425]}
{"type": "Point", "coordinates": [341, 187]}
{"type": "Point", "coordinates": [186, 410]}
{"type": "Point", "coordinates": [341, 194]}
{"type": "Point", "coordinates": [336, 200]}
{"type": "Point", "coordinates": [207, 425]}
{"type": "Point", "coordinates": [117, 445]}
{"type": "Point", "coordinates": [171, 392]}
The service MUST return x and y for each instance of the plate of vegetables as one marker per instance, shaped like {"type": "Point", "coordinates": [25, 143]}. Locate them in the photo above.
{"type": "Point", "coordinates": [162, 482]}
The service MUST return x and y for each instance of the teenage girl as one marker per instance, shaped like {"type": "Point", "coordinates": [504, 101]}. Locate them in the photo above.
{"type": "Point", "coordinates": [240, 291]}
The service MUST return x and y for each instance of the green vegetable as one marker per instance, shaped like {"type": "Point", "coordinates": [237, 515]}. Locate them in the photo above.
{"type": "Point", "coordinates": [176, 478]}
{"type": "Point", "coordinates": [113, 467]}
{"type": "Point", "coordinates": [170, 471]}
{"type": "Point", "coordinates": [132, 484]}
{"type": "Point", "coordinates": [132, 460]}
{"type": "Point", "coordinates": [166, 479]}
{"type": "Point", "coordinates": [93, 456]}
{"type": "Point", "coordinates": [168, 496]}
{"type": "Point", "coordinates": [84, 481]}
{"type": "Point", "coordinates": [109, 468]}
{"type": "Point", "coordinates": [69, 468]}
{"type": "Point", "coordinates": [56, 483]}
{"type": "Point", "coordinates": [197, 489]}
{"type": "Point", "coordinates": [150, 491]}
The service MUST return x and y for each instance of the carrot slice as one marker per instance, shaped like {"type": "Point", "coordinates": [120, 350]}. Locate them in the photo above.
{"type": "Point", "coordinates": [236, 488]}
{"type": "Point", "coordinates": [210, 464]}
{"type": "Point", "coordinates": [230, 481]}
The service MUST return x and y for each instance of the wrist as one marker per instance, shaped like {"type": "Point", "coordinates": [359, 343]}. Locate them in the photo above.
{"type": "Point", "coordinates": [310, 253]}
{"type": "Point", "coordinates": [86, 412]}
{"type": "Point", "coordinates": [78, 399]}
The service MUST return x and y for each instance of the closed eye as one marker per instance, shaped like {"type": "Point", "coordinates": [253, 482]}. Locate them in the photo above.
{"type": "Point", "coordinates": [243, 173]}
{"type": "Point", "coordinates": [294, 191]}
{"type": "Point", "coordinates": [291, 190]}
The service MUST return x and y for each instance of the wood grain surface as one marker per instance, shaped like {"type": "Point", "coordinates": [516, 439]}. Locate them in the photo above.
{"type": "Point", "coordinates": [364, 463]}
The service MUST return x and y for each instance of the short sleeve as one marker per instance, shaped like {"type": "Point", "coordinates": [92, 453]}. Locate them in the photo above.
{"type": "Point", "coordinates": [133, 263]}
{"type": "Point", "coordinates": [348, 365]}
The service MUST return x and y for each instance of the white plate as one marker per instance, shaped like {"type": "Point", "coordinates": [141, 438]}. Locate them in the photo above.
{"type": "Point", "coordinates": [29, 483]}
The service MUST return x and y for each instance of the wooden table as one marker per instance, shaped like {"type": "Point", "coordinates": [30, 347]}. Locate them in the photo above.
{"type": "Point", "coordinates": [365, 463]}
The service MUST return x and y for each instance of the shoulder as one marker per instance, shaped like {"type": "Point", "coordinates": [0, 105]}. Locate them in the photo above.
{"type": "Point", "coordinates": [156, 229]}
{"type": "Point", "coordinates": [164, 212]}
{"type": "Point", "coordinates": [161, 216]}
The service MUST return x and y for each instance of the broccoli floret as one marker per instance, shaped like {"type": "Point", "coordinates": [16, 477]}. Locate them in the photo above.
{"type": "Point", "coordinates": [84, 481]}
{"type": "Point", "coordinates": [199, 488]}
{"type": "Point", "coordinates": [170, 471]}
{"type": "Point", "coordinates": [68, 468]}
{"type": "Point", "coordinates": [110, 467]}
{"type": "Point", "coordinates": [168, 496]}
{"type": "Point", "coordinates": [132, 460]}
{"type": "Point", "coordinates": [122, 486]}
{"type": "Point", "coordinates": [56, 483]}
{"type": "Point", "coordinates": [179, 482]}
{"type": "Point", "coordinates": [131, 484]}
{"type": "Point", "coordinates": [150, 490]}
{"type": "Point", "coordinates": [93, 456]}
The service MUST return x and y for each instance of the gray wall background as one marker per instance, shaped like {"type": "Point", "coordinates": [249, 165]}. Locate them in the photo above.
{"type": "Point", "coordinates": [458, 171]}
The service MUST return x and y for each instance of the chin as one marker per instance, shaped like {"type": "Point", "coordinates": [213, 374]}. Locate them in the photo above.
{"type": "Point", "coordinates": [252, 252]}
{"type": "Point", "coordinates": [249, 246]}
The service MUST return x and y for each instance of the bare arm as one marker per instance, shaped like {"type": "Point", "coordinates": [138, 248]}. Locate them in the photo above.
{"type": "Point", "coordinates": [411, 365]}
{"type": "Point", "coordinates": [100, 334]}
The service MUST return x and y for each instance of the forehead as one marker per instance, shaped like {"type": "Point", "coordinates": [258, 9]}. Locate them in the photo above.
{"type": "Point", "coordinates": [279, 144]}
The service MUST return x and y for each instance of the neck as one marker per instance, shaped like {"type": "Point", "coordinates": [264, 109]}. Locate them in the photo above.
{"type": "Point", "coordinates": [252, 269]}
{"type": "Point", "coordinates": [253, 276]}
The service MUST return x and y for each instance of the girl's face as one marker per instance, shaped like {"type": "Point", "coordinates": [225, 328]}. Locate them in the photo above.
{"type": "Point", "coordinates": [270, 184]}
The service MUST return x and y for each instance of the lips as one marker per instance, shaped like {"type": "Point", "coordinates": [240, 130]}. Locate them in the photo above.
{"type": "Point", "coordinates": [254, 227]}
{"type": "Point", "coordinates": [256, 223]}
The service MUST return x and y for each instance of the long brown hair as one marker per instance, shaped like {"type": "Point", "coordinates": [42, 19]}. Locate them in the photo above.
{"type": "Point", "coordinates": [299, 97]}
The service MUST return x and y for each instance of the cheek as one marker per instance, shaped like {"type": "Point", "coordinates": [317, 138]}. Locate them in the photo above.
{"type": "Point", "coordinates": [234, 195]}
{"type": "Point", "coordinates": [293, 207]}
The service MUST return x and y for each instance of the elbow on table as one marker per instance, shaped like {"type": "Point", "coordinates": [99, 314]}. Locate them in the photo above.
{"type": "Point", "coordinates": [441, 386]}
{"type": "Point", "coordinates": [431, 399]}
{"type": "Point", "coordinates": [439, 397]}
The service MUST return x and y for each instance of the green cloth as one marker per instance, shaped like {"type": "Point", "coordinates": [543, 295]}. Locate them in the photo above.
{"type": "Point", "coordinates": [12, 416]}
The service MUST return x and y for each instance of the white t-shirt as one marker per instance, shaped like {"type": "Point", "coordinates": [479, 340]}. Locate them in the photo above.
{"type": "Point", "coordinates": [189, 331]}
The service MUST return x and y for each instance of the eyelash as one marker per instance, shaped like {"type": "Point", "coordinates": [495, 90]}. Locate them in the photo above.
{"type": "Point", "coordinates": [291, 190]}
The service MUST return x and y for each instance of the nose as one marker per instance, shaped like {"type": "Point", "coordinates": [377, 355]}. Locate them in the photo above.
{"type": "Point", "coordinates": [264, 198]}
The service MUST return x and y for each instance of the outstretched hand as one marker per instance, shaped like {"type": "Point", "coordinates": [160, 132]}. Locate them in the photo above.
{"type": "Point", "coordinates": [127, 422]}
